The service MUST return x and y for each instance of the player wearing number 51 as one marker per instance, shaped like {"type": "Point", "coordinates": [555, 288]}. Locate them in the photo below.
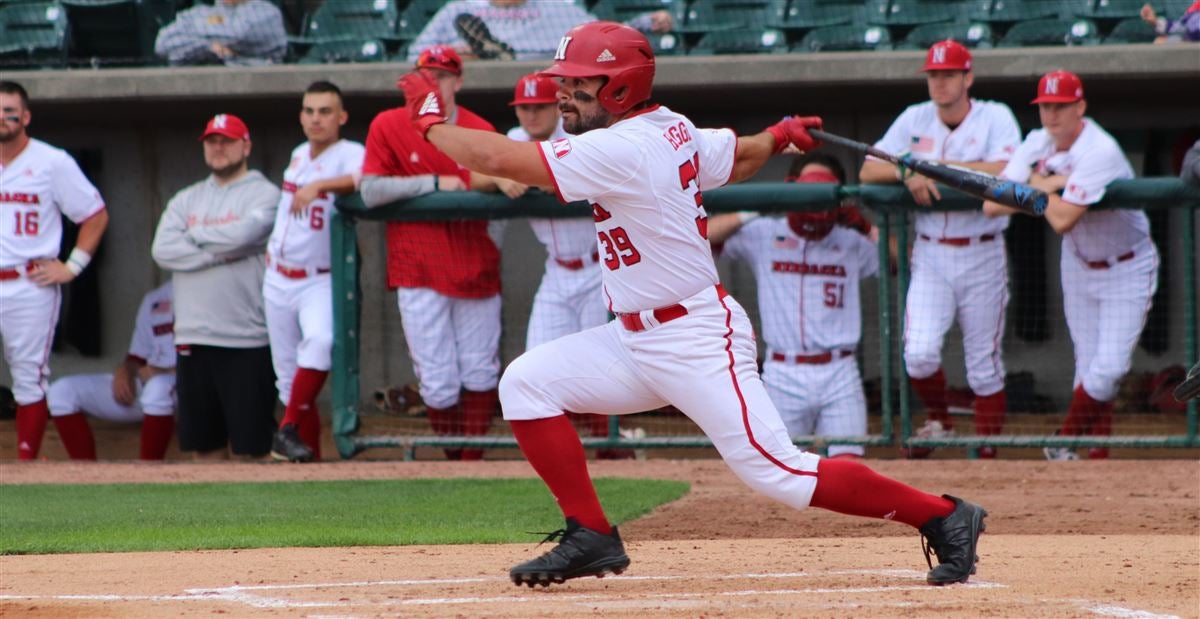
{"type": "Point", "coordinates": [213, 236]}
{"type": "Point", "coordinates": [38, 184]}
{"type": "Point", "coordinates": [296, 288]}
{"type": "Point", "coordinates": [679, 338]}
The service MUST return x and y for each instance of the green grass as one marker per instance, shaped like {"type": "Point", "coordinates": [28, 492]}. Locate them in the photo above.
{"type": "Point", "coordinates": [45, 518]}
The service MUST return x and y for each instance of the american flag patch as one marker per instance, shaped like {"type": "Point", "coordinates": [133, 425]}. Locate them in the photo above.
{"type": "Point", "coordinates": [785, 242]}
{"type": "Point", "coordinates": [921, 144]}
{"type": "Point", "coordinates": [161, 307]}
{"type": "Point", "coordinates": [562, 147]}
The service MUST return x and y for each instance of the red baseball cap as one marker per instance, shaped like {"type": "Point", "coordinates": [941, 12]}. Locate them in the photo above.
{"type": "Point", "coordinates": [534, 89]}
{"type": "Point", "coordinates": [440, 57]}
{"type": "Point", "coordinates": [1059, 87]}
{"type": "Point", "coordinates": [948, 55]}
{"type": "Point", "coordinates": [227, 125]}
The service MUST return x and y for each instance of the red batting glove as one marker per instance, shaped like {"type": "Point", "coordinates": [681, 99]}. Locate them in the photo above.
{"type": "Point", "coordinates": [423, 100]}
{"type": "Point", "coordinates": [794, 130]}
{"type": "Point", "coordinates": [850, 217]}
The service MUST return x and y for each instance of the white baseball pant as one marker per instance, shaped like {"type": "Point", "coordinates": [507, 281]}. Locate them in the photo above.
{"type": "Point", "coordinates": [299, 325]}
{"type": "Point", "coordinates": [454, 343]}
{"type": "Point", "coordinates": [28, 317]}
{"type": "Point", "coordinates": [968, 282]}
{"type": "Point", "coordinates": [824, 400]}
{"type": "Point", "coordinates": [567, 301]}
{"type": "Point", "coordinates": [1106, 310]}
{"type": "Point", "coordinates": [92, 394]}
{"type": "Point", "coordinates": [704, 363]}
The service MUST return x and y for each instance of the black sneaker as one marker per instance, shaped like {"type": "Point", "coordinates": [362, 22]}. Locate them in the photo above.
{"type": "Point", "coordinates": [476, 33]}
{"type": "Point", "coordinates": [580, 552]}
{"type": "Point", "coordinates": [954, 540]}
{"type": "Point", "coordinates": [288, 446]}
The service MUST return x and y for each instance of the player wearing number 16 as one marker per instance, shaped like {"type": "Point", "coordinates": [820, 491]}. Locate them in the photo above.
{"type": "Point", "coordinates": [679, 338]}
{"type": "Point", "coordinates": [38, 185]}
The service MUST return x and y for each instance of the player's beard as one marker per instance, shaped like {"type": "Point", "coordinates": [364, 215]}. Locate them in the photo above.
{"type": "Point", "coordinates": [579, 122]}
{"type": "Point", "coordinates": [230, 169]}
{"type": "Point", "coordinates": [10, 136]}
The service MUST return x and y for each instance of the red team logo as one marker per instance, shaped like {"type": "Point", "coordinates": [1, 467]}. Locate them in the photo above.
{"type": "Point", "coordinates": [562, 147]}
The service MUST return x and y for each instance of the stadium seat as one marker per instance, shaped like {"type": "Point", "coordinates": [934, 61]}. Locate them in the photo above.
{"type": "Point", "coordinates": [1108, 9]}
{"type": "Point", "coordinates": [414, 17]}
{"type": "Point", "coordinates": [1175, 8]}
{"type": "Point", "coordinates": [714, 15]}
{"type": "Point", "coordinates": [115, 32]}
{"type": "Point", "coordinates": [625, 10]}
{"type": "Point", "coordinates": [1051, 32]}
{"type": "Point", "coordinates": [742, 41]}
{"type": "Point", "coordinates": [33, 34]}
{"type": "Point", "coordinates": [351, 20]}
{"type": "Point", "coordinates": [845, 39]}
{"type": "Point", "coordinates": [915, 12]}
{"type": "Point", "coordinates": [1010, 11]}
{"type": "Point", "coordinates": [971, 34]}
{"type": "Point", "coordinates": [1132, 30]}
{"type": "Point", "coordinates": [666, 43]}
{"type": "Point", "coordinates": [344, 50]}
{"type": "Point", "coordinates": [805, 14]}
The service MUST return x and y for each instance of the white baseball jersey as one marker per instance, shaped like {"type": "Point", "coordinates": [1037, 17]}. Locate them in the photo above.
{"type": "Point", "coordinates": [1092, 162]}
{"type": "Point", "coordinates": [304, 242]}
{"type": "Point", "coordinates": [153, 338]}
{"type": "Point", "coordinates": [808, 291]}
{"type": "Point", "coordinates": [652, 236]}
{"type": "Point", "coordinates": [989, 133]}
{"type": "Point", "coordinates": [42, 182]}
{"type": "Point", "coordinates": [565, 239]}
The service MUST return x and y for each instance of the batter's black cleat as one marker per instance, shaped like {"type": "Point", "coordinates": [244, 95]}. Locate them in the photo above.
{"type": "Point", "coordinates": [288, 446]}
{"type": "Point", "coordinates": [954, 540]}
{"type": "Point", "coordinates": [580, 552]}
{"type": "Point", "coordinates": [477, 35]}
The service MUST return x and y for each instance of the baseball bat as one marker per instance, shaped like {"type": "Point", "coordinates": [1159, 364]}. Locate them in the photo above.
{"type": "Point", "coordinates": [973, 182]}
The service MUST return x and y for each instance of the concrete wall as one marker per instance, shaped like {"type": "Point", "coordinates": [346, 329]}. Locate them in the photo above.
{"type": "Point", "coordinates": [143, 124]}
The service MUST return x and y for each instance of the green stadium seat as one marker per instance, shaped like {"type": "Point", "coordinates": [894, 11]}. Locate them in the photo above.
{"type": "Point", "coordinates": [1110, 9]}
{"type": "Point", "coordinates": [345, 50]}
{"type": "Point", "coordinates": [625, 10]}
{"type": "Point", "coordinates": [714, 15]}
{"type": "Point", "coordinates": [845, 39]}
{"type": "Point", "coordinates": [666, 43]}
{"type": "Point", "coordinates": [351, 20]}
{"type": "Point", "coordinates": [1175, 8]}
{"type": "Point", "coordinates": [115, 32]}
{"type": "Point", "coordinates": [1132, 30]}
{"type": "Point", "coordinates": [1010, 11]}
{"type": "Point", "coordinates": [414, 17]}
{"type": "Point", "coordinates": [806, 14]}
{"type": "Point", "coordinates": [33, 34]}
{"type": "Point", "coordinates": [915, 12]}
{"type": "Point", "coordinates": [971, 34]}
{"type": "Point", "coordinates": [975, 10]}
{"type": "Point", "coordinates": [742, 41]}
{"type": "Point", "coordinates": [1051, 32]}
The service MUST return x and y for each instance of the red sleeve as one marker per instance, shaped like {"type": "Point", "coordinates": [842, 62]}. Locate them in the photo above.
{"type": "Point", "coordinates": [380, 159]}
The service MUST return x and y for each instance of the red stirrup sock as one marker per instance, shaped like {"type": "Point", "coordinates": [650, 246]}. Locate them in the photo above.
{"type": "Point", "coordinates": [31, 427]}
{"type": "Point", "coordinates": [1101, 426]}
{"type": "Point", "coordinates": [306, 386]}
{"type": "Point", "coordinates": [446, 422]}
{"type": "Point", "coordinates": [932, 391]}
{"type": "Point", "coordinates": [553, 449]}
{"type": "Point", "coordinates": [76, 436]}
{"type": "Point", "coordinates": [989, 413]}
{"type": "Point", "coordinates": [1080, 414]}
{"type": "Point", "coordinates": [157, 431]}
{"type": "Point", "coordinates": [848, 487]}
{"type": "Point", "coordinates": [309, 431]}
{"type": "Point", "coordinates": [478, 410]}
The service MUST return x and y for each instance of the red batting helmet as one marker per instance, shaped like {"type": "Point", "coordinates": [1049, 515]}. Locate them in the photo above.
{"type": "Point", "coordinates": [611, 50]}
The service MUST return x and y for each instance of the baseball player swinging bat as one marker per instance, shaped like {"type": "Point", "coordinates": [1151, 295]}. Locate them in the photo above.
{"type": "Point", "coordinates": [978, 184]}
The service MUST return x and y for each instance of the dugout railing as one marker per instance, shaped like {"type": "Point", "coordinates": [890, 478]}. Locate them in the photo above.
{"type": "Point", "coordinates": [891, 206]}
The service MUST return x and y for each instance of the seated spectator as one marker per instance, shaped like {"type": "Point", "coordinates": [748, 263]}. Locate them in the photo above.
{"type": "Point", "coordinates": [514, 29]}
{"type": "Point", "coordinates": [233, 32]}
{"type": "Point", "coordinates": [141, 389]}
{"type": "Point", "coordinates": [1186, 28]}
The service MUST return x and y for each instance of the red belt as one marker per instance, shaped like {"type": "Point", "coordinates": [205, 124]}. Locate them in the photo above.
{"type": "Point", "coordinates": [820, 359]}
{"type": "Point", "coordinates": [577, 263]}
{"type": "Point", "coordinates": [1104, 264]}
{"type": "Point", "coordinates": [633, 321]}
{"type": "Point", "coordinates": [291, 273]}
{"type": "Point", "coordinates": [14, 273]}
{"type": "Point", "coordinates": [959, 241]}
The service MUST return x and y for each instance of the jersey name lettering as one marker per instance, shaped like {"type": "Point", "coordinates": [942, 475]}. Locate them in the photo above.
{"type": "Point", "coordinates": [16, 197]}
{"type": "Point", "coordinates": [803, 268]}
{"type": "Point", "coordinates": [678, 135]}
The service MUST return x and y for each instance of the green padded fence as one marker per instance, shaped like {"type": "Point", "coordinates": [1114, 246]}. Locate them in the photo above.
{"type": "Point", "coordinates": [891, 205]}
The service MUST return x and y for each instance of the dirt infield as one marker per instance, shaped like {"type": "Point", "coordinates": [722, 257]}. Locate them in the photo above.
{"type": "Point", "coordinates": [1070, 539]}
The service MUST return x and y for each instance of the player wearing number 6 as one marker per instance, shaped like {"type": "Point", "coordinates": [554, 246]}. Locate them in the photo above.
{"type": "Point", "coordinates": [38, 185]}
{"type": "Point", "coordinates": [297, 293]}
{"type": "Point", "coordinates": [679, 338]}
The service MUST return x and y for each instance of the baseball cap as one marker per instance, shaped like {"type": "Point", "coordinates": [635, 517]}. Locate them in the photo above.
{"type": "Point", "coordinates": [440, 57]}
{"type": "Point", "coordinates": [227, 125]}
{"type": "Point", "coordinates": [535, 88]}
{"type": "Point", "coordinates": [1059, 87]}
{"type": "Point", "coordinates": [948, 55]}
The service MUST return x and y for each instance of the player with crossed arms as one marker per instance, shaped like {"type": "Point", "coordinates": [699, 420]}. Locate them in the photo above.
{"type": "Point", "coordinates": [141, 389]}
{"type": "Point", "coordinates": [960, 267]}
{"type": "Point", "coordinates": [679, 338]}
{"type": "Point", "coordinates": [38, 184]}
{"type": "Point", "coordinates": [1109, 263]}
{"type": "Point", "coordinates": [570, 297]}
{"type": "Point", "coordinates": [808, 270]}
{"type": "Point", "coordinates": [297, 289]}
